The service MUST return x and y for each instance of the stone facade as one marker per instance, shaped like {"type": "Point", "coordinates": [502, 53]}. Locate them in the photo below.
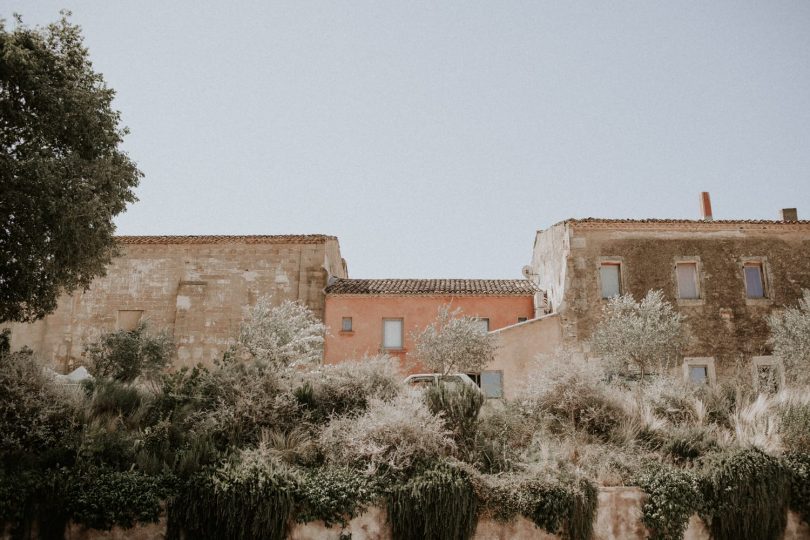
{"type": "Point", "coordinates": [195, 287]}
{"type": "Point", "coordinates": [722, 322]}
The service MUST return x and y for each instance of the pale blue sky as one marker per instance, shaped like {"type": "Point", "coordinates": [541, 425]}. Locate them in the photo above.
{"type": "Point", "coordinates": [433, 138]}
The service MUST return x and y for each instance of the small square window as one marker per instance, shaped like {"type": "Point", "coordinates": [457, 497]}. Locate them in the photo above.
{"type": "Point", "coordinates": [687, 275]}
{"type": "Point", "coordinates": [754, 280]}
{"type": "Point", "coordinates": [699, 374]}
{"type": "Point", "coordinates": [346, 324]}
{"type": "Point", "coordinates": [699, 370]}
{"type": "Point", "coordinates": [392, 334]}
{"type": "Point", "coordinates": [611, 276]}
{"type": "Point", "coordinates": [767, 379]}
{"type": "Point", "coordinates": [483, 324]}
{"type": "Point", "coordinates": [522, 319]}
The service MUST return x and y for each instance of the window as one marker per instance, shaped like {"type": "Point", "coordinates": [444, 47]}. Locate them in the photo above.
{"type": "Point", "coordinates": [484, 324]}
{"type": "Point", "coordinates": [392, 334]}
{"type": "Point", "coordinates": [769, 376]}
{"type": "Point", "coordinates": [492, 383]}
{"type": "Point", "coordinates": [698, 374]}
{"type": "Point", "coordinates": [699, 370]}
{"type": "Point", "coordinates": [128, 319]}
{"type": "Point", "coordinates": [754, 280]}
{"type": "Point", "coordinates": [346, 324]}
{"type": "Point", "coordinates": [610, 274]}
{"type": "Point", "coordinates": [687, 275]}
{"type": "Point", "coordinates": [522, 319]}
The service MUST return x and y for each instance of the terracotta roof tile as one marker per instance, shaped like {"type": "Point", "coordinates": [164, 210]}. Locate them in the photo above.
{"type": "Point", "coordinates": [225, 239]}
{"type": "Point", "coordinates": [690, 221]}
{"type": "Point", "coordinates": [455, 287]}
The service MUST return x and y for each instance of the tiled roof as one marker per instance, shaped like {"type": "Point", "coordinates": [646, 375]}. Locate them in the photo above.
{"type": "Point", "coordinates": [224, 239]}
{"type": "Point", "coordinates": [691, 221]}
{"type": "Point", "coordinates": [455, 287]}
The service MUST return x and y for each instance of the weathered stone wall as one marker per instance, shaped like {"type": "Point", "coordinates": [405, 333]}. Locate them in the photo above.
{"type": "Point", "coordinates": [618, 518]}
{"type": "Point", "coordinates": [723, 323]}
{"type": "Point", "coordinates": [196, 288]}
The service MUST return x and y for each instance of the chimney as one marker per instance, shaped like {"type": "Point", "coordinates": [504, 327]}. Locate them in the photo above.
{"type": "Point", "coordinates": [789, 214]}
{"type": "Point", "coordinates": [705, 206]}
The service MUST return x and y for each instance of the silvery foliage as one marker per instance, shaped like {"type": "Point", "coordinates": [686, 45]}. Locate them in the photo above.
{"type": "Point", "coordinates": [454, 343]}
{"type": "Point", "coordinates": [638, 336]}
{"type": "Point", "coordinates": [790, 338]}
{"type": "Point", "coordinates": [286, 335]}
{"type": "Point", "coordinates": [390, 435]}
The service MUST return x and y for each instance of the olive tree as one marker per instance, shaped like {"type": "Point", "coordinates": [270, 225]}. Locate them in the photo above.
{"type": "Point", "coordinates": [790, 337]}
{"type": "Point", "coordinates": [644, 336]}
{"type": "Point", "coordinates": [63, 176]}
{"type": "Point", "coordinates": [454, 343]}
{"type": "Point", "coordinates": [285, 335]}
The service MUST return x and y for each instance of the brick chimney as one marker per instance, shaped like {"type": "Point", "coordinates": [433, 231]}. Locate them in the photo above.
{"type": "Point", "coordinates": [789, 214]}
{"type": "Point", "coordinates": [705, 206]}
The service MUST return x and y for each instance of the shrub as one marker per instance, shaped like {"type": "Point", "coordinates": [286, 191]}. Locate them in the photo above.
{"type": "Point", "coordinates": [799, 466]}
{"type": "Point", "coordinates": [793, 413]}
{"type": "Point", "coordinates": [436, 504]}
{"type": "Point", "coordinates": [127, 354]}
{"type": "Point", "coordinates": [38, 419]}
{"type": "Point", "coordinates": [500, 437]}
{"type": "Point", "coordinates": [572, 394]}
{"type": "Point", "coordinates": [458, 405]}
{"type": "Point", "coordinates": [685, 444]}
{"type": "Point", "coordinates": [562, 504]}
{"type": "Point", "coordinates": [790, 338]}
{"type": "Point", "coordinates": [746, 494]}
{"type": "Point", "coordinates": [334, 495]}
{"type": "Point", "coordinates": [672, 497]}
{"type": "Point", "coordinates": [101, 498]}
{"type": "Point", "coordinates": [393, 436]}
{"type": "Point", "coordinates": [347, 387]}
{"type": "Point", "coordinates": [249, 496]}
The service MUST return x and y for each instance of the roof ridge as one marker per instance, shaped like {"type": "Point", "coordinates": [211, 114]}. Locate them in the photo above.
{"type": "Point", "coordinates": [224, 238]}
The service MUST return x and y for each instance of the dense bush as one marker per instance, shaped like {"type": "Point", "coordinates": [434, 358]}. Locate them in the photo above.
{"type": "Point", "coordinates": [100, 498]}
{"type": "Point", "coordinates": [746, 494]}
{"type": "Point", "coordinates": [347, 387]}
{"type": "Point", "coordinates": [439, 503]}
{"type": "Point", "coordinates": [572, 395]}
{"type": "Point", "coordinates": [501, 436]}
{"type": "Point", "coordinates": [794, 423]}
{"type": "Point", "coordinates": [390, 436]}
{"type": "Point", "coordinates": [458, 405]}
{"type": "Point", "coordinates": [334, 495]}
{"type": "Point", "coordinates": [672, 497]}
{"type": "Point", "coordinates": [125, 355]}
{"type": "Point", "coordinates": [799, 467]}
{"type": "Point", "coordinates": [39, 420]}
{"type": "Point", "coordinates": [557, 502]}
{"type": "Point", "coordinates": [250, 496]}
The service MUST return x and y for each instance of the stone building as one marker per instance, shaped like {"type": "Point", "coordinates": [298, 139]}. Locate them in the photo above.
{"type": "Point", "coordinates": [372, 316]}
{"type": "Point", "coordinates": [195, 287]}
{"type": "Point", "coordinates": [725, 276]}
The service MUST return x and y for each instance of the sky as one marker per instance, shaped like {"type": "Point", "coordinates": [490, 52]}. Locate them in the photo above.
{"type": "Point", "coordinates": [434, 138]}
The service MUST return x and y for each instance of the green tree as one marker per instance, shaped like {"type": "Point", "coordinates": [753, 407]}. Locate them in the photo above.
{"type": "Point", "coordinates": [62, 175]}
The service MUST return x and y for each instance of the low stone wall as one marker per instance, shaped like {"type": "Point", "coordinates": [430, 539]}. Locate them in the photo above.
{"type": "Point", "coordinates": [618, 518]}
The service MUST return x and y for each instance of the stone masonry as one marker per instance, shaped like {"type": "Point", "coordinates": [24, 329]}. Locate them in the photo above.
{"type": "Point", "coordinates": [197, 288]}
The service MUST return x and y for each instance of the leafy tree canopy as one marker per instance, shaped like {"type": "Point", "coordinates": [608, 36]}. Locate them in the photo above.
{"type": "Point", "coordinates": [62, 175]}
{"type": "Point", "coordinates": [454, 343]}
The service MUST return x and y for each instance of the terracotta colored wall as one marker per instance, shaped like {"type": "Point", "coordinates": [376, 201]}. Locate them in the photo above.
{"type": "Point", "coordinates": [198, 292]}
{"type": "Point", "coordinates": [518, 347]}
{"type": "Point", "coordinates": [367, 313]}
